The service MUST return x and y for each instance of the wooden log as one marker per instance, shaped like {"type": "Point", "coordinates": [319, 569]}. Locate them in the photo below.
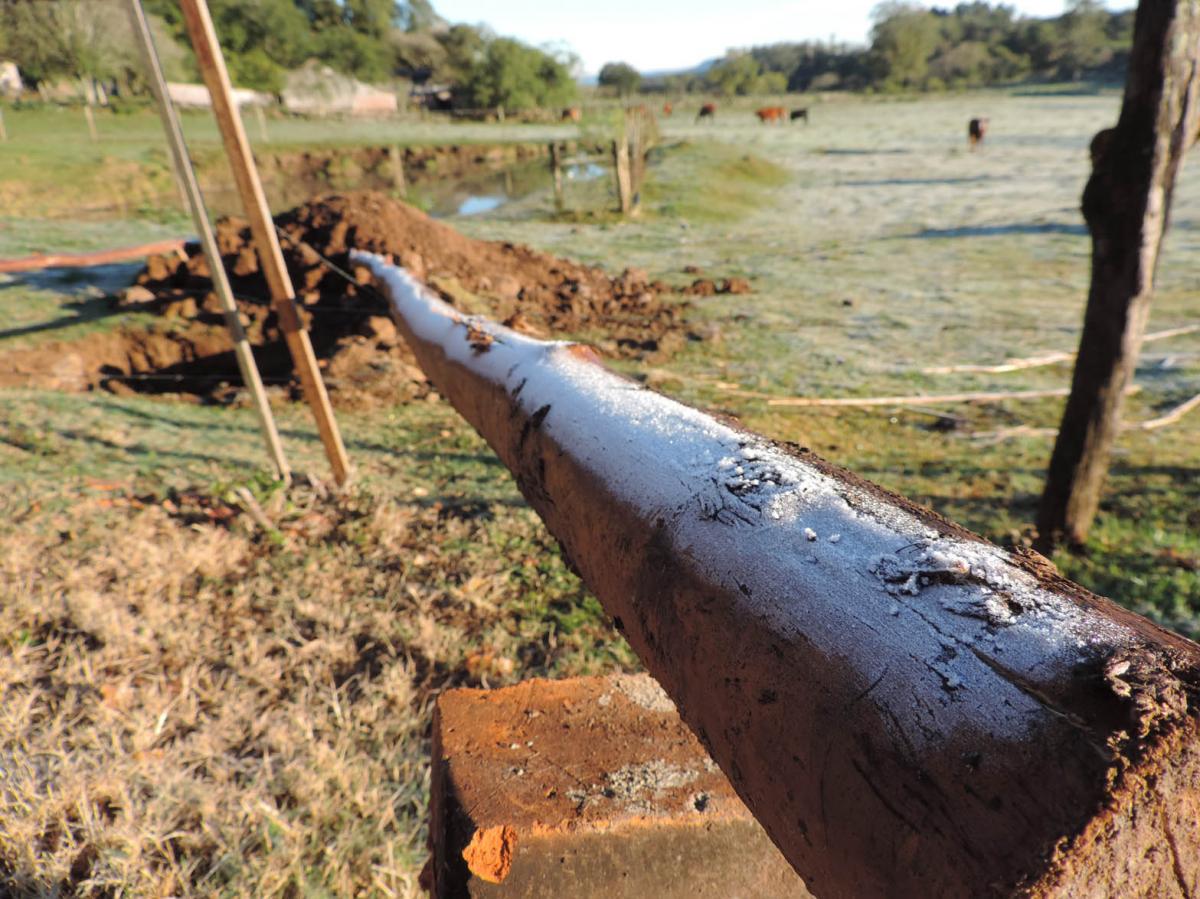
{"type": "Point", "coordinates": [283, 298]}
{"type": "Point", "coordinates": [907, 709]}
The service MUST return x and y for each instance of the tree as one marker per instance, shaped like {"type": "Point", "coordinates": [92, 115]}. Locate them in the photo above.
{"type": "Point", "coordinates": [512, 75]}
{"type": "Point", "coordinates": [1083, 39]}
{"type": "Point", "coordinates": [743, 75]}
{"type": "Point", "coordinates": [903, 39]}
{"type": "Point", "coordinates": [622, 76]}
{"type": "Point", "coordinates": [66, 39]}
{"type": "Point", "coordinates": [1126, 204]}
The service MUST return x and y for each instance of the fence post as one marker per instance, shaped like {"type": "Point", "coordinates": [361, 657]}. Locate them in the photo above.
{"type": "Point", "coordinates": [91, 120]}
{"type": "Point", "coordinates": [398, 180]}
{"type": "Point", "coordinates": [216, 77]}
{"type": "Point", "coordinates": [557, 172]}
{"type": "Point", "coordinates": [3, 130]}
{"type": "Point", "coordinates": [620, 149]}
{"type": "Point", "coordinates": [262, 123]}
{"type": "Point", "coordinates": [194, 201]}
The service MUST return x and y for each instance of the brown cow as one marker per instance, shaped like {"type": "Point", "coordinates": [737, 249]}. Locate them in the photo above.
{"type": "Point", "coordinates": [707, 111]}
{"type": "Point", "coordinates": [976, 129]}
{"type": "Point", "coordinates": [667, 109]}
{"type": "Point", "coordinates": [572, 114]}
{"type": "Point", "coordinates": [774, 114]}
{"type": "Point", "coordinates": [800, 114]}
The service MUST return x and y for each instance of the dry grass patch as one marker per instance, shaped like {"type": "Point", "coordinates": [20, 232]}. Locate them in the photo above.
{"type": "Point", "coordinates": [193, 704]}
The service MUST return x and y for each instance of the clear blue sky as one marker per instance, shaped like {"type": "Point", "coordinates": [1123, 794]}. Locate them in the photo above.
{"type": "Point", "coordinates": [673, 34]}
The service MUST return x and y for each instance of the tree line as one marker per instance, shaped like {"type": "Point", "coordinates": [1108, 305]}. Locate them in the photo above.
{"type": "Point", "coordinates": [372, 40]}
{"type": "Point", "coordinates": [914, 48]}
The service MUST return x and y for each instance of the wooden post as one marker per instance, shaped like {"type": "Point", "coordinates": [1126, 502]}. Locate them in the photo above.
{"type": "Point", "coordinates": [91, 119]}
{"type": "Point", "coordinates": [262, 123]}
{"type": "Point", "coordinates": [1126, 204]}
{"type": "Point", "coordinates": [621, 166]}
{"type": "Point", "coordinates": [557, 172]}
{"type": "Point", "coordinates": [216, 77]}
{"type": "Point", "coordinates": [909, 710]}
{"type": "Point", "coordinates": [3, 130]}
{"type": "Point", "coordinates": [186, 178]}
{"type": "Point", "coordinates": [399, 182]}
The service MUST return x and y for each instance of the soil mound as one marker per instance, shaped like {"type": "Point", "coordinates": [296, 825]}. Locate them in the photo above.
{"type": "Point", "coordinates": [364, 361]}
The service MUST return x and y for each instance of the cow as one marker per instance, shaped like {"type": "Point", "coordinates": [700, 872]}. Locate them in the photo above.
{"type": "Point", "coordinates": [799, 114]}
{"type": "Point", "coordinates": [976, 129]}
{"type": "Point", "coordinates": [667, 109]}
{"type": "Point", "coordinates": [572, 114]}
{"type": "Point", "coordinates": [707, 111]}
{"type": "Point", "coordinates": [774, 114]}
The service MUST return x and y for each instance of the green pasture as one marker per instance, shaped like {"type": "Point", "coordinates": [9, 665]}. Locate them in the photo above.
{"type": "Point", "coordinates": [877, 247]}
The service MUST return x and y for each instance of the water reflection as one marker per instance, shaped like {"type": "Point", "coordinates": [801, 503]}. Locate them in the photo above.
{"type": "Point", "coordinates": [488, 191]}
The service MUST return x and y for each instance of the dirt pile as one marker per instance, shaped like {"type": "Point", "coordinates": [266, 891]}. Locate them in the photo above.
{"type": "Point", "coordinates": [188, 350]}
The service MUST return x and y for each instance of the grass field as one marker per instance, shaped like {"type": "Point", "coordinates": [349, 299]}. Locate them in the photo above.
{"type": "Point", "coordinates": [195, 703]}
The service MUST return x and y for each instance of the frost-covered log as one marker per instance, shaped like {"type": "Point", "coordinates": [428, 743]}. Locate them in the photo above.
{"type": "Point", "coordinates": [908, 709]}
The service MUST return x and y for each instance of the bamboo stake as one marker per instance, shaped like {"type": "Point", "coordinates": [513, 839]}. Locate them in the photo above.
{"type": "Point", "coordinates": [216, 77]}
{"type": "Point", "coordinates": [195, 201]}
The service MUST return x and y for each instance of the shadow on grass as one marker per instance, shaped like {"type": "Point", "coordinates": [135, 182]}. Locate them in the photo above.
{"type": "Point", "coordinates": [252, 432]}
{"type": "Point", "coordinates": [862, 151]}
{"type": "Point", "coordinates": [70, 284]}
{"type": "Point", "coordinates": [998, 230]}
{"type": "Point", "coordinates": [86, 311]}
{"type": "Point", "coordinates": [916, 182]}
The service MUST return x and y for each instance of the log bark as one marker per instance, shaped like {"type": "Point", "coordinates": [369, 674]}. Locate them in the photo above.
{"type": "Point", "coordinates": [1126, 204]}
{"type": "Point", "coordinates": [907, 709]}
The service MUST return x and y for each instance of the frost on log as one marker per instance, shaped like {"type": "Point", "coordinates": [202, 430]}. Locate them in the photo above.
{"type": "Point", "coordinates": [908, 709]}
{"type": "Point", "coordinates": [1126, 203]}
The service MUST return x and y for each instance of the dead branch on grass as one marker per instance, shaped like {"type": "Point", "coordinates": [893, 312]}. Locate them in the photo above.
{"type": "Point", "coordinates": [1045, 359]}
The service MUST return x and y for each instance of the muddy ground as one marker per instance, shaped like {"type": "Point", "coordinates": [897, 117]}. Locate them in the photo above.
{"type": "Point", "coordinates": [188, 350]}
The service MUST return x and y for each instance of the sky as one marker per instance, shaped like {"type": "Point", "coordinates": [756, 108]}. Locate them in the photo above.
{"type": "Point", "coordinates": [652, 35]}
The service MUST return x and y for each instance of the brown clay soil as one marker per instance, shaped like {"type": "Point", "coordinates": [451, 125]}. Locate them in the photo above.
{"type": "Point", "coordinates": [188, 351]}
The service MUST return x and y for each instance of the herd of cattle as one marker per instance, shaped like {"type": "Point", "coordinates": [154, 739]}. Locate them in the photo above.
{"type": "Point", "coordinates": [976, 128]}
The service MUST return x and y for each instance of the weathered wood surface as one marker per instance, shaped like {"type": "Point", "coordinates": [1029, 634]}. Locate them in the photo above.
{"type": "Point", "coordinates": [908, 709]}
{"type": "Point", "coordinates": [1126, 203]}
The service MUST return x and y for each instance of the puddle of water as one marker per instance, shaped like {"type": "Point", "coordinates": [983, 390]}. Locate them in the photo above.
{"type": "Point", "coordinates": [488, 191]}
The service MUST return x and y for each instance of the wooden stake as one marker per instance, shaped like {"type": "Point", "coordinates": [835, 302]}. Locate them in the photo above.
{"type": "Point", "coordinates": [398, 180]}
{"type": "Point", "coordinates": [216, 77]}
{"type": "Point", "coordinates": [557, 172]}
{"type": "Point", "coordinates": [3, 130]}
{"type": "Point", "coordinates": [621, 165]}
{"type": "Point", "coordinates": [186, 177]}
